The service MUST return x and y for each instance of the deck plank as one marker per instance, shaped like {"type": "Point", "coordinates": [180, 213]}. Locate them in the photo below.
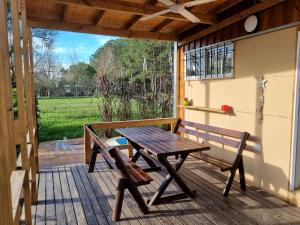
{"type": "Point", "coordinates": [100, 214]}
{"type": "Point", "coordinates": [78, 208]}
{"type": "Point", "coordinates": [40, 213]}
{"type": "Point", "coordinates": [59, 201]}
{"type": "Point", "coordinates": [100, 196]}
{"type": "Point", "coordinates": [33, 212]}
{"type": "Point", "coordinates": [50, 202]}
{"type": "Point", "coordinates": [68, 200]}
{"type": "Point", "coordinates": [87, 206]}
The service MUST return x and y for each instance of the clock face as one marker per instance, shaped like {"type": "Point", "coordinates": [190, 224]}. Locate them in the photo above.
{"type": "Point", "coordinates": [251, 23]}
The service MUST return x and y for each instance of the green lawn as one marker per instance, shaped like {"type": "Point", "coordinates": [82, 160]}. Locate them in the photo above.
{"type": "Point", "coordinates": [64, 117]}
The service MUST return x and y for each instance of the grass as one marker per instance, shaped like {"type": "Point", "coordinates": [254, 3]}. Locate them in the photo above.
{"type": "Point", "coordinates": [64, 117]}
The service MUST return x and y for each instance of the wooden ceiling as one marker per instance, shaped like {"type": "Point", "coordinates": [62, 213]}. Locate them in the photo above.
{"type": "Point", "coordinates": [122, 17]}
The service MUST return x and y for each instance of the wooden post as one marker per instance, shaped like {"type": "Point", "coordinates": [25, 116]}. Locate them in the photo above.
{"type": "Point", "coordinates": [29, 100]}
{"type": "Point", "coordinates": [180, 82]}
{"type": "Point", "coordinates": [35, 124]}
{"type": "Point", "coordinates": [7, 147]}
{"type": "Point", "coordinates": [15, 12]}
{"type": "Point", "coordinates": [87, 146]}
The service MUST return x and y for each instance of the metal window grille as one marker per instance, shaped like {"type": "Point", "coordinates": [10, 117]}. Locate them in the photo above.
{"type": "Point", "coordinates": [209, 62]}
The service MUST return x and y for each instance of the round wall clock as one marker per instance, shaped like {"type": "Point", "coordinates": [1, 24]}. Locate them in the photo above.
{"type": "Point", "coordinates": [251, 23]}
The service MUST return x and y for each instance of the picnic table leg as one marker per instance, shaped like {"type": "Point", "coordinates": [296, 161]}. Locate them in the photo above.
{"type": "Point", "coordinates": [153, 166]}
{"type": "Point", "coordinates": [119, 200]}
{"type": "Point", "coordinates": [242, 175]}
{"type": "Point", "coordinates": [93, 159]}
{"type": "Point", "coordinates": [136, 156]}
{"type": "Point", "coordinates": [157, 198]}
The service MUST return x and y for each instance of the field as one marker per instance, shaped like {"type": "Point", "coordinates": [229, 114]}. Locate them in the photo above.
{"type": "Point", "coordinates": [64, 117]}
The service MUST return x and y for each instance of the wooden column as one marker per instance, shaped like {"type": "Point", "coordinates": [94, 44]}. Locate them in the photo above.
{"type": "Point", "coordinates": [87, 146]}
{"type": "Point", "coordinates": [29, 102]}
{"type": "Point", "coordinates": [35, 124]}
{"type": "Point", "coordinates": [180, 82]}
{"type": "Point", "coordinates": [15, 12]}
{"type": "Point", "coordinates": [7, 148]}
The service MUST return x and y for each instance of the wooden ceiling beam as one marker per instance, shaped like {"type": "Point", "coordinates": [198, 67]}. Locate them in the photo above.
{"type": "Point", "coordinates": [162, 25]}
{"type": "Point", "coordinates": [133, 8]}
{"type": "Point", "coordinates": [132, 21]}
{"type": "Point", "coordinates": [63, 12]}
{"type": "Point", "coordinates": [99, 17]}
{"type": "Point", "coordinates": [223, 7]}
{"type": "Point", "coordinates": [92, 29]}
{"type": "Point", "coordinates": [235, 18]}
{"type": "Point", "coordinates": [187, 27]}
{"type": "Point", "coordinates": [136, 18]}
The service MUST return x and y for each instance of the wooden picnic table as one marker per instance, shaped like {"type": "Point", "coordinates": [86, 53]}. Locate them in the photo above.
{"type": "Point", "coordinates": [153, 143]}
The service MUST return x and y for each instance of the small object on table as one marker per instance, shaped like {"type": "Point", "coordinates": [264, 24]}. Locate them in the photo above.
{"type": "Point", "coordinates": [121, 143]}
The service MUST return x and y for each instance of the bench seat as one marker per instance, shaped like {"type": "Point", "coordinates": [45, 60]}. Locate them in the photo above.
{"type": "Point", "coordinates": [138, 174]}
{"type": "Point", "coordinates": [221, 164]}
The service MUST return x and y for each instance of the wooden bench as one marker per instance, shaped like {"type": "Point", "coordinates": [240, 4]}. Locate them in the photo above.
{"type": "Point", "coordinates": [225, 137]}
{"type": "Point", "coordinates": [130, 175]}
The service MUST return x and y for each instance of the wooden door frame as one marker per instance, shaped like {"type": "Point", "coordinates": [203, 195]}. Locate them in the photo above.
{"type": "Point", "coordinates": [295, 145]}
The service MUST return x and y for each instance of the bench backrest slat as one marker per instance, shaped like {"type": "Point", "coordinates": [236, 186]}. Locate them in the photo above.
{"type": "Point", "coordinates": [212, 129]}
{"type": "Point", "coordinates": [206, 136]}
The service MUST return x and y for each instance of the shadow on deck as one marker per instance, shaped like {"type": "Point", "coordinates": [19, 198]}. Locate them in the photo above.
{"type": "Point", "coordinates": [69, 195]}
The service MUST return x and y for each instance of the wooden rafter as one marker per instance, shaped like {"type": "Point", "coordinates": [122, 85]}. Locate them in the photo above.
{"type": "Point", "coordinates": [235, 18]}
{"type": "Point", "coordinates": [162, 25]}
{"type": "Point", "coordinates": [63, 12]}
{"type": "Point", "coordinates": [136, 18]}
{"type": "Point", "coordinates": [133, 8]}
{"type": "Point", "coordinates": [99, 17]}
{"type": "Point", "coordinates": [187, 27]}
{"type": "Point", "coordinates": [227, 5]}
{"type": "Point", "coordinates": [132, 21]}
{"type": "Point", "coordinates": [92, 29]}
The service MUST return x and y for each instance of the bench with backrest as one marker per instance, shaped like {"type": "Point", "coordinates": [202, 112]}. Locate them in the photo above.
{"type": "Point", "coordinates": [130, 175]}
{"type": "Point", "coordinates": [226, 137]}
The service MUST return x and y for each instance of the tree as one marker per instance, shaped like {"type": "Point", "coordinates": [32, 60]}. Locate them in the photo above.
{"type": "Point", "coordinates": [136, 69]}
{"type": "Point", "coordinates": [47, 74]}
{"type": "Point", "coordinates": [81, 76]}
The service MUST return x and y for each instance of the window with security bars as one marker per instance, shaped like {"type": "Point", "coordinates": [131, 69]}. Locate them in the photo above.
{"type": "Point", "coordinates": [210, 62]}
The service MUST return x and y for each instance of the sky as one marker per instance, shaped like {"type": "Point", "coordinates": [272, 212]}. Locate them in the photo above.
{"type": "Point", "coordinates": [77, 47]}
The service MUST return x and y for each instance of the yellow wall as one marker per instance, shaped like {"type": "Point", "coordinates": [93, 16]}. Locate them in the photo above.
{"type": "Point", "coordinates": [273, 56]}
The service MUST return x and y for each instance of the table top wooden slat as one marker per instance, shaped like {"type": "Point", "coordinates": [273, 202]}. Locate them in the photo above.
{"type": "Point", "coordinates": [160, 142]}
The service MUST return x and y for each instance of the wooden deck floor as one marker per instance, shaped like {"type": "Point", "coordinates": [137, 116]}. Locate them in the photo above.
{"type": "Point", "coordinates": [69, 195]}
